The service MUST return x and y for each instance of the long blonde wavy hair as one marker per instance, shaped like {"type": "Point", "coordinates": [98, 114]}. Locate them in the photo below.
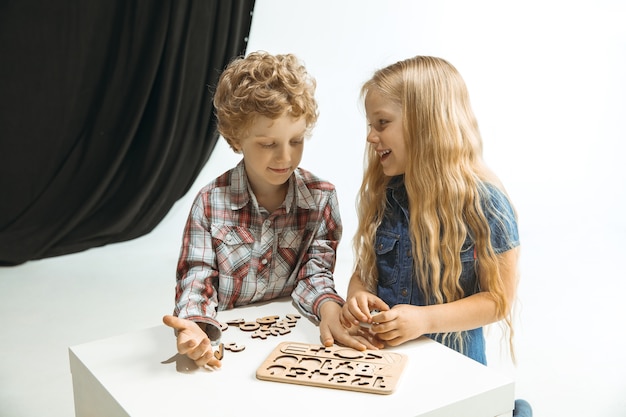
{"type": "Point", "coordinates": [444, 181]}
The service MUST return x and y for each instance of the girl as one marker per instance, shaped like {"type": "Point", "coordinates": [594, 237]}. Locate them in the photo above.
{"type": "Point", "coordinates": [437, 242]}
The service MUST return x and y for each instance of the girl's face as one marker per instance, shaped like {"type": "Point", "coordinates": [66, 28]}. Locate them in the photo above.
{"type": "Point", "coordinates": [272, 150]}
{"type": "Point", "coordinates": [384, 118]}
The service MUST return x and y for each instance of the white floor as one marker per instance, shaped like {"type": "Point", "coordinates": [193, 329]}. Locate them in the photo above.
{"type": "Point", "coordinates": [547, 84]}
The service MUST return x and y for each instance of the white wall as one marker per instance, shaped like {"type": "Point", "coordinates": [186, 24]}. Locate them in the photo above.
{"type": "Point", "coordinates": [547, 84]}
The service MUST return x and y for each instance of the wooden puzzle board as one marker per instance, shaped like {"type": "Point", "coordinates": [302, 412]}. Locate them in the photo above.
{"type": "Point", "coordinates": [374, 371]}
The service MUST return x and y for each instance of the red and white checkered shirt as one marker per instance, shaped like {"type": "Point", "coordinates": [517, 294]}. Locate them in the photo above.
{"type": "Point", "coordinates": [233, 254]}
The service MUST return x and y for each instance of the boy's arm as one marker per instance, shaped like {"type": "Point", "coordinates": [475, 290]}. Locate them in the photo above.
{"type": "Point", "coordinates": [315, 282]}
{"type": "Point", "coordinates": [196, 296]}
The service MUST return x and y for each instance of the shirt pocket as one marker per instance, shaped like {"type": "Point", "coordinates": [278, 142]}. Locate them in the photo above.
{"type": "Point", "coordinates": [387, 257]}
{"type": "Point", "coordinates": [287, 253]}
{"type": "Point", "coordinates": [233, 249]}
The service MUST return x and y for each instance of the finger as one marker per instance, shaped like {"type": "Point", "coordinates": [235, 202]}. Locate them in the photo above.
{"type": "Point", "coordinates": [369, 344]}
{"type": "Point", "coordinates": [379, 304]}
{"type": "Point", "coordinates": [346, 323]}
{"type": "Point", "coordinates": [326, 336]}
{"type": "Point", "coordinates": [353, 342]}
{"type": "Point", "coordinates": [373, 339]}
{"type": "Point", "coordinates": [361, 313]}
{"type": "Point", "coordinates": [199, 351]}
{"type": "Point", "coordinates": [175, 322]}
{"type": "Point", "coordinates": [208, 358]}
{"type": "Point", "coordinates": [185, 345]}
{"type": "Point", "coordinates": [347, 318]}
{"type": "Point", "coordinates": [213, 361]}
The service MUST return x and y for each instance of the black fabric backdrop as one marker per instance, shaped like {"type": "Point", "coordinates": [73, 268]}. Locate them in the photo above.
{"type": "Point", "coordinates": [106, 115]}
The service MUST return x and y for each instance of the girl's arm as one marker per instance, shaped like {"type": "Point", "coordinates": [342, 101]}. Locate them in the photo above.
{"type": "Point", "coordinates": [406, 322]}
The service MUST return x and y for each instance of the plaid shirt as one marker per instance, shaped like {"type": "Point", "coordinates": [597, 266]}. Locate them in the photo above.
{"type": "Point", "coordinates": [234, 254]}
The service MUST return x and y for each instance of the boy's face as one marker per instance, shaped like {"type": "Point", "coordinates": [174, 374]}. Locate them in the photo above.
{"type": "Point", "coordinates": [272, 150]}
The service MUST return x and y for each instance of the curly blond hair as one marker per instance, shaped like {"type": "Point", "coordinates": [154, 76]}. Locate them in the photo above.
{"type": "Point", "coordinates": [262, 84]}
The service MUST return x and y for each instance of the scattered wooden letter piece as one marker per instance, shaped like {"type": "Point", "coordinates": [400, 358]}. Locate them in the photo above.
{"type": "Point", "coordinates": [285, 324]}
{"type": "Point", "coordinates": [219, 353]}
{"type": "Point", "coordinates": [235, 322]}
{"type": "Point", "coordinates": [260, 334]}
{"type": "Point", "coordinates": [249, 326]}
{"type": "Point", "coordinates": [234, 347]}
{"type": "Point", "coordinates": [279, 331]}
{"type": "Point", "coordinates": [267, 320]}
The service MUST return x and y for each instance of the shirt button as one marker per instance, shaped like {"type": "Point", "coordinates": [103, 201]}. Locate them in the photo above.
{"type": "Point", "coordinates": [404, 292]}
{"type": "Point", "coordinates": [264, 261]}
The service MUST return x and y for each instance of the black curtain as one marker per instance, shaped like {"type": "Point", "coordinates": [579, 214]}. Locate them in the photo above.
{"type": "Point", "coordinates": [106, 115]}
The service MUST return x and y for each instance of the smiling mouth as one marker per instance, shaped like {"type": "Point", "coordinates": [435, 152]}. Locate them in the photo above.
{"type": "Point", "coordinates": [280, 170]}
{"type": "Point", "coordinates": [384, 154]}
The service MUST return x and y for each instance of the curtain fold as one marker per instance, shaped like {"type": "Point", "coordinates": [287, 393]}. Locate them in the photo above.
{"type": "Point", "coordinates": [106, 115]}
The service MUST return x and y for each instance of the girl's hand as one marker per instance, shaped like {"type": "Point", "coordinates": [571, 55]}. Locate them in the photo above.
{"type": "Point", "coordinates": [357, 308]}
{"type": "Point", "coordinates": [402, 323]}
{"type": "Point", "coordinates": [332, 331]}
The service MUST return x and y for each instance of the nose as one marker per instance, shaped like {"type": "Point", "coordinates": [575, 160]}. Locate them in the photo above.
{"type": "Point", "coordinates": [282, 154]}
{"type": "Point", "coordinates": [372, 135]}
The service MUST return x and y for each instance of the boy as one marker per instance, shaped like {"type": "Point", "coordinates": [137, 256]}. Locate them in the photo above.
{"type": "Point", "coordinates": [266, 228]}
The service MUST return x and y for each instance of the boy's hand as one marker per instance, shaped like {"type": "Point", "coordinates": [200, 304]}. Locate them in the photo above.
{"type": "Point", "coordinates": [192, 341]}
{"type": "Point", "coordinates": [331, 330]}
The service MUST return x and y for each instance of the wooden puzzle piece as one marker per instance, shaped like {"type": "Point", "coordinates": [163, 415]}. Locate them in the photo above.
{"type": "Point", "coordinates": [369, 325]}
{"type": "Point", "coordinates": [333, 367]}
{"type": "Point", "coordinates": [249, 326]}
{"type": "Point", "coordinates": [235, 322]}
{"type": "Point", "coordinates": [219, 353]}
{"type": "Point", "coordinates": [234, 347]}
{"type": "Point", "coordinates": [261, 328]}
{"type": "Point", "coordinates": [260, 334]}
{"type": "Point", "coordinates": [267, 320]}
{"type": "Point", "coordinates": [279, 331]}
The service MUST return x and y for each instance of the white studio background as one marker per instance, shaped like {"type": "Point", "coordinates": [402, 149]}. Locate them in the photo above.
{"type": "Point", "coordinates": [547, 82]}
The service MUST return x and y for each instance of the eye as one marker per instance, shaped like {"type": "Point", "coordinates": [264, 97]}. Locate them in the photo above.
{"type": "Point", "coordinates": [379, 125]}
{"type": "Point", "coordinates": [268, 145]}
{"type": "Point", "coordinates": [298, 141]}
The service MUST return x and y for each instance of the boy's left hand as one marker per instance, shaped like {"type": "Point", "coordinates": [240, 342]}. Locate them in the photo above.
{"type": "Point", "coordinates": [332, 331]}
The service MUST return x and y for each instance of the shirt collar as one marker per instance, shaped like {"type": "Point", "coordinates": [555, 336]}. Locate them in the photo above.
{"type": "Point", "coordinates": [297, 190]}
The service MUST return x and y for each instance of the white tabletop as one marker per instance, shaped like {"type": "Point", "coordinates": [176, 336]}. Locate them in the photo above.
{"type": "Point", "coordinates": [140, 374]}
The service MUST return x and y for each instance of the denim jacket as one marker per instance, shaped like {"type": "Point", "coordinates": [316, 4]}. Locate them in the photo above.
{"type": "Point", "coordinates": [397, 283]}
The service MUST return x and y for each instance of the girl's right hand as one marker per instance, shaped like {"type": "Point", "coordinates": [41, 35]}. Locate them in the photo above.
{"type": "Point", "coordinates": [357, 308]}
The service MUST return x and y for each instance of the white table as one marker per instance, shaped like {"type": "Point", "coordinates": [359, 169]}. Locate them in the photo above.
{"type": "Point", "coordinates": [140, 374]}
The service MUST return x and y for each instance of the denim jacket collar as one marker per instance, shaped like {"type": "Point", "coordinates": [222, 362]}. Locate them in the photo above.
{"type": "Point", "coordinates": [397, 191]}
